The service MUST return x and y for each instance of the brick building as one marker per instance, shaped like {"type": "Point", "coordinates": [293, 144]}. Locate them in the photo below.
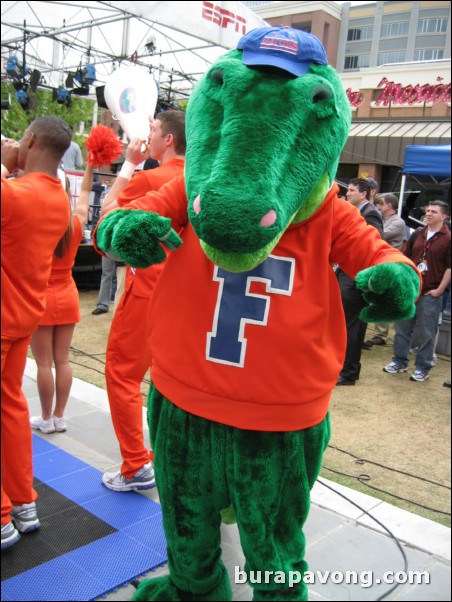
{"type": "Point", "coordinates": [394, 61]}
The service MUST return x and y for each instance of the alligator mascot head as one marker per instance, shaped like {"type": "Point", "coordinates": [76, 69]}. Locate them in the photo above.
{"type": "Point", "coordinates": [265, 128]}
{"type": "Point", "coordinates": [247, 334]}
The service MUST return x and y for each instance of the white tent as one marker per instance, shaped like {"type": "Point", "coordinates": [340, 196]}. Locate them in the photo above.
{"type": "Point", "coordinates": [177, 41]}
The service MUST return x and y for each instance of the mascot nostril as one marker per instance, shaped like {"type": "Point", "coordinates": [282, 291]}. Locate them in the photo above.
{"type": "Point", "coordinates": [269, 219]}
{"type": "Point", "coordinates": [218, 76]}
{"type": "Point", "coordinates": [320, 93]}
{"type": "Point", "coordinates": [197, 205]}
{"type": "Point", "coordinates": [251, 287]}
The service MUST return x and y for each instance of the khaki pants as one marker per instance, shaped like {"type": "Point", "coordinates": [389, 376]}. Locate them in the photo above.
{"type": "Point", "coordinates": [382, 330]}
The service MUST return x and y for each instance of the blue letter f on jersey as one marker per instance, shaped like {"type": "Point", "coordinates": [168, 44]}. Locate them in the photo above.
{"type": "Point", "coordinates": [236, 306]}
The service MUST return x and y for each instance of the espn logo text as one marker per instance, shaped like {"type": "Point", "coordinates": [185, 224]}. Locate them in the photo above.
{"type": "Point", "coordinates": [223, 18]}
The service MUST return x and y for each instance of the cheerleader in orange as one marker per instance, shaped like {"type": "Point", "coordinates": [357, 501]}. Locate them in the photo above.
{"type": "Point", "coordinates": [51, 341]}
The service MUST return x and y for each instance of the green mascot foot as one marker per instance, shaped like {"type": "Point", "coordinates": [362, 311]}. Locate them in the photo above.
{"type": "Point", "coordinates": [290, 593]}
{"type": "Point", "coordinates": [162, 588]}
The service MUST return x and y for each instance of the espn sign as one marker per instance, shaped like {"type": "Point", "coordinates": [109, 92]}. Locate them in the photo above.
{"type": "Point", "coordinates": [223, 18]}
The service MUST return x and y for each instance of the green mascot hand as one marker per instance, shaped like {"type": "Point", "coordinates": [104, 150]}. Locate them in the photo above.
{"type": "Point", "coordinates": [136, 237]}
{"type": "Point", "coordinates": [391, 290]}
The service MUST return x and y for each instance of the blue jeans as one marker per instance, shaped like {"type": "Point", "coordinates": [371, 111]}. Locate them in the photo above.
{"type": "Point", "coordinates": [428, 309]}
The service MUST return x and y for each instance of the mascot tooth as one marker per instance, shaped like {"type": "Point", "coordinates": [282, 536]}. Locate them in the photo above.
{"type": "Point", "coordinates": [247, 331]}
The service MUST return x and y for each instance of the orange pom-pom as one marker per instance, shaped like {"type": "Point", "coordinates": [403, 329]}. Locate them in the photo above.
{"type": "Point", "coordinates": [103, 146]}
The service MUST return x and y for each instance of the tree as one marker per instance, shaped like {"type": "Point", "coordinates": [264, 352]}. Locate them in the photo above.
{"type": "Point", "coordinates": [15, 120]}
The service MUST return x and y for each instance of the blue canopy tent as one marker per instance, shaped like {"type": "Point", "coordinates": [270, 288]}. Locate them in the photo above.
{"type": "Point", "coordinates": [431, 161]}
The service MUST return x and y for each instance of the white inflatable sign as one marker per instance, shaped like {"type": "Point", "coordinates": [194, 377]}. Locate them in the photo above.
{"type": "Point", "coordinates": [131, 94]}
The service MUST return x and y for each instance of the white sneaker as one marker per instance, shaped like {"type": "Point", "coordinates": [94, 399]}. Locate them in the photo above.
{"type": "Point", "coordinates": [419, 376]}
{"type": "Point", "coordinates": [10, 535]}
{"type": "Point", "coordinates": [394, 368]}
{"type": "Point", "coordinates": [26, 518]}
{"type": "Point", "coordinates": [143, 479]}
{"type": "Point", "coordinates": [45, 426]}
{"type": "Point", "coordinates": [60, 424]}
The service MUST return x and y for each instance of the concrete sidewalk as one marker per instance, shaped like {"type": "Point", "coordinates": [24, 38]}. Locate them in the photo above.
{"type": "Point", "coordinates": [341, 537]}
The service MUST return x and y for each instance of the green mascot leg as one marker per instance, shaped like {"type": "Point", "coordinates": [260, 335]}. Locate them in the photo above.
{"type": "Point", "coordinates": [188, 466]}
{"type": "Point", "coordinates": [203, 466]}
{"type": "Point", "coordinates": [271, 477]}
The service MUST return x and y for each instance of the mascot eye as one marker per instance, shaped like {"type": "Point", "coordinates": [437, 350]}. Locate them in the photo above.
{"type": "Point", "coordinates": [321, 93]}
{"type": "Point", "coordinates": [217, 76]}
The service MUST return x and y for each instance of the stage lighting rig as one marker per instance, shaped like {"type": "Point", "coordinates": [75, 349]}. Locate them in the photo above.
{"type": "Point", "coordinates": [23, 98]}
{"type": "Point", "coordinates": [62, 96]}
{"type": "Point", "coordinates": [150, 45]}
{"type": "Point", "coordinates": [80, 81]}
{"type": "Point", "coordinates": [14, 69]}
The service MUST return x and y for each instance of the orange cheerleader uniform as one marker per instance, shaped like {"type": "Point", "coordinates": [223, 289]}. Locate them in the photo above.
{"type": "Point", "coordinates": [62, 299]}
{"type": "Point", "coordinates": [35, 215]}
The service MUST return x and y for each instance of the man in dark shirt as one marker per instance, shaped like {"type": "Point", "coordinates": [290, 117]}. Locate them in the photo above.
{"type": "Point", "coordinates": [429, 249]}
{"type": "Point", "coordinates": [358, 194]}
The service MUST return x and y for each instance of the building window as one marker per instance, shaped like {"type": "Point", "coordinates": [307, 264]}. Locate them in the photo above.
{"type": "Point", "coordinates": [351, 62]}
{"type": "Point", "coordinates": [428, 54]}
{"type": "Point", "coordinates": [396, 56]}
{"type": "Point", "coordinates": [432, 25]}
{"type": "Point", "coordinates": [303, 26]}
{"type": "Point", "coordinates": [394, 30]}
{"type": "Point", "coordinates": [357, 61]}
{"type": "Point", "coordinates": [360, 33]}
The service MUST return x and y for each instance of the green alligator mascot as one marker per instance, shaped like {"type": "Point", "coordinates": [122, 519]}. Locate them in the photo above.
{"type": "Point", "coordinates": [247, 330]}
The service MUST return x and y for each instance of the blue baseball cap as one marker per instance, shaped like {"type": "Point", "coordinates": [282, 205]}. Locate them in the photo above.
{"type": "Point", "coordinates": [290, 49]}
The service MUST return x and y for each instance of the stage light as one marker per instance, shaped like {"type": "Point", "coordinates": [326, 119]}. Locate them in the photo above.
{"type": "Point", "coordinates": [86, 76]}
{"type": "Point", "coordinates": [62, 95]}
{"type": "Point", "coordinates": [23, 99]}
{"type": "Point", "coordinates": [21, 96]}
{"type": "Point", "coordinates": [150, 45]}
{"type": "Point", "coordinates": [14, 68]}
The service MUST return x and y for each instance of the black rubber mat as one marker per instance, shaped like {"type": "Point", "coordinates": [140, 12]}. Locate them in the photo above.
{"type": "Point", "coordinates": [65, 526]}
{"type": "Point", "coordinates": [91, 541]}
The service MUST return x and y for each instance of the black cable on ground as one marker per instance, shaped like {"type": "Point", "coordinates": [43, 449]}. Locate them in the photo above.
{"type": "Point", "coordinates": [399, 545]}
{"type": "Point", "coordinates": [363, 460]}
{"type": "Point", "coordinates": [92, 356]}
{"type": "Point", "coordinates": [364, 480]}
{"type": "Point", "coordinates": [85, 366]}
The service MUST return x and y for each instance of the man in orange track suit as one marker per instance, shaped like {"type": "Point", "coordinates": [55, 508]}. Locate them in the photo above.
{"type": "Point", "coordinates": [127, 357]}
{"type": "Point", "coordinates": [35, 215]}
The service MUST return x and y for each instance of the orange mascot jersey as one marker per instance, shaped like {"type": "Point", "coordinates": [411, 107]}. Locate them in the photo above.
{"type": "Point", "coordinates": [224, 367]}
{"type": "Point", "coordinates": [62, 300]}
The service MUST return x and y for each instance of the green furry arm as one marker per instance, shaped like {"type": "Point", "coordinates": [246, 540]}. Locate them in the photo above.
{"type": "Point", "coordinates": [136, 237]}
{"type": "Point", "coordinates": [391, 290]}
